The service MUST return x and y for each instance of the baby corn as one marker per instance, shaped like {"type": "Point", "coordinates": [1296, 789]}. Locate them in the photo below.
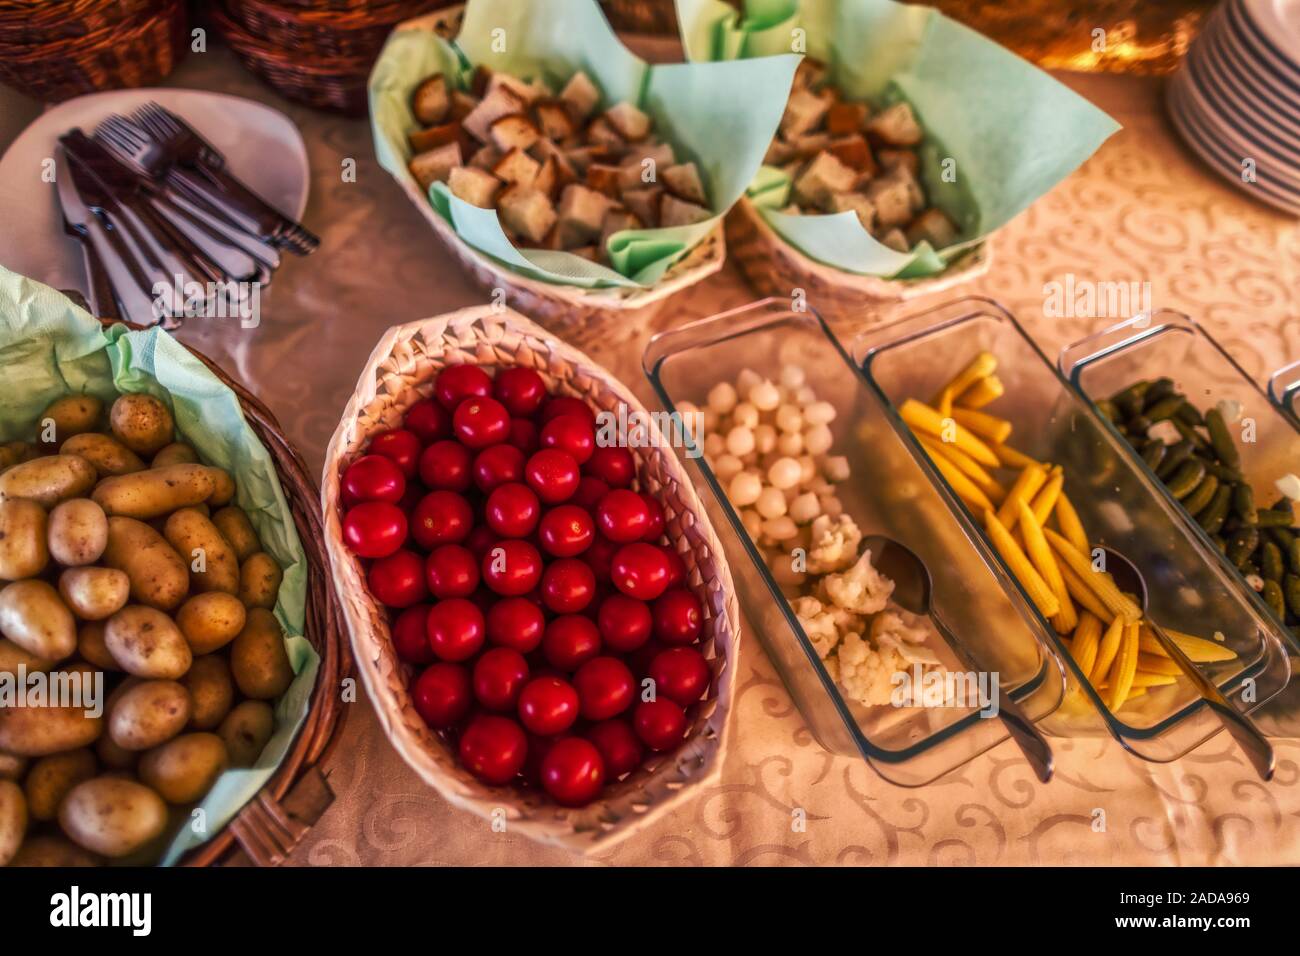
{"type": "Point", "coordinates": [1045, 500]}
{"type": "Point", "coordinates": [1070, 524]}
{"type": "Point", "coordinates": [1197, 649]}
{"type": "Point", "coordinates": [980, 367]}
{"type": "Point", "coordinates": [1066, 619]}
{"type": "Point", "coordinates": [1086, 599]}
{"type": "Point", "coordinates": [1086, 638]}
{"type": "Point", "coordinates": [926, 419]}
{"type": "Point", "coordinates": [1107, 650]}
{"type": "Point", "coordinates": [983, 424]}
{"type": "Point", "coordinates": [1009, 457]}
{"type": "Point", "coordinates": [988, 389]}
{"type": "Point", "coordinates": [1038, 590]}
{"type": "Point", "coordinates": [1124, 667]}
{"type": "Point", "coordinates": [967, 490]}
{"type": "Point", "coordinates": [966, 465]}
{"type": "Point", "coordinates": [1025, 487]}
{"type": "Point", "coordinates": [1100, 582]}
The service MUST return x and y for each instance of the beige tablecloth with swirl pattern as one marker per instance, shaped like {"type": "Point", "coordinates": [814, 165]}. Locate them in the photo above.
{"type": "Point", "coordinates": [1142, 209]}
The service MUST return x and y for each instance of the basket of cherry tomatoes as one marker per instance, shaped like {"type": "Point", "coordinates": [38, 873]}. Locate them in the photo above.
{"type": "Point", "coordinates": [538, 605]}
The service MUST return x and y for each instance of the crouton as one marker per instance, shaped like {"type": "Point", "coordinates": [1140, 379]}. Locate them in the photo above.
{"type": "Point", "coordinates": [580, 157]}
{"type": "Point", "coordinates": [933, 227]}
{"type": "Point", "coordinates": [476, 186]}
{"type": "Point", "coordinates": [895, 239]}
{"type": "Point", "coordinates": [479, 80]}
{"type": "Point", "coordinates": [809, 145]}
{"type": "Point", "coordinates": [809, 73]}
{"type": "Point", "coordinates": [892, 200]}
{"type": "Point", "coordinates": [554, 119]}
{"type": "Point", "coordinates": [604, 178]}
{"type": "Point", "coordinates": [581, 214]}
{"type": "Point", "coordinates": [896, 126]}
{"type": "Point", "coordinates": [435, 165]}
{"type": "Point", "coordinates": [518, 168]}
{"type": "Point", "coordinates": [431, 101]}
{"type": "Point", "coordinates": [803, 113]}
{"type": "Point", "coordinates": [683, 181]}
{"type": "Point", "coordinates": [854, 153]}
{"type": "Point", "coordinates": [823, 176]}
{"type": "Point", "coordinates": [553, 175]}
{"type": "Point", "coordinates": [845, 118]}
{"type": "Point", "coordinates": [677, 212]}
{"type": "Point", "coordinates": [526, 212]}
{"type": "Point", "coordinates": [616, 220]}
{"type": "Point", "coordinates": [915, 194]}
{"type": "Point", "coordinates": [485, 157]}
{"type": "Point", "coordinates": [496, 104]}
{"type": "Point", "coordinates": [660, 154]}
{"type": "Point", "coordinates": [601, 132]}
{"type": "Point", "coordinates": [854, 202]}
{"type": "Point", "coordinates": [528, 92]}
{"type": "Point", "coordinates": [423, 140]}
{"type": "Point", "coordinates": [631, 124]}
{"type": "Point", "coordinates": [462, 104]}
{"type": "Point", "coordinates": [515, 131]}
{"type": "Point", "coordinates": [635, 176]}
{"type": "Point", "coordinates": [581, 95]}
{"type": "Point", "coordinates": [777, 153]}
{"type": "Point", "coordinates": [644, 204]}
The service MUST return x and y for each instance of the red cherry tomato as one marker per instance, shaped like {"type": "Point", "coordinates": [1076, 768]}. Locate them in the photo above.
{"type": "Point", "coordinates": [517, 623]}
{"type": "Point", "coordinates": [660, 723]}
{"type": "Point", "coordinates": [497, 465]}
{"type": "Point", "coordinates": [681, 674]}
{"type": "Point", "coordinates": [657, 522]}
{"type": "Point", "coordinates": [410, 638]}
{"type": "Point", "coordinates": [622, 516]}
{"type": "Point", "coordinates": [456, 629]}
{"type": "Point", "coordinates": [512, 568]}
{"type": "Point", "coordinates": [572, 433]}
{"type": "Point", "coordinates": [441, 694]}
{"type": "Point", "coordinates": [618, 745]}
{"type": "Point", "coordinates": [612, 464]}
{"type": "Point", "coordinates": [566, 405]}
{"type": "Point", "coordinates": [640, 570]}
{"type": "Point", "coordinates": [446, 465]}
{"type": "Point", "coordinates": [599, 556]}
{"type": "Point", "coordinates": [568, 586]}
{"type": "Point", "coordinates": [552, 474]}
{"type": "Point", "coordinates": [441, 517]}
{"type": "Point", "coordinates": [521, 390]}
{"type": "Point", "coordinates": [538, 748]}
{"type": "Point", "coordinates": [566, 531]}
{"type": "Point", "coordinates": [373, 478]}
{"type": "Point", "coordinates": [374, 529]}
{"type": "Point", "coordinates": [480, 422]}
{"type": "Point", "coordinates": [573, 772]}
{"type": "Point", "coordinates": [605, 687]}
{"type": "Point", "coordinates": [398, 580]}
{"type": "Point", "coordinates": [548, 705]}
{"type": "Point", "coordinates": [523, 435]}
{"type": "Point", "coordinates": [624, 623]}
{"type": "Point", "coordinates": [428, 420]}
{"type": "Point", "coordinates": [512, 510]}
{"type": "Point", "coordinates": [451, 571]}
{"type": "Point", "coordinates": [458, 382]}
{"type": "Point", "coordinates": [499, 675]}
{"type": "Point", "coordinates": [676, 566]}
{"type": "Point", "coordinates": [571, 640]}
{"type": "Point", "coordinates": [678, 617]}
{"type": "Point", "coordinates": [590, 491]}
{"type": "Point", "coordinates": [493, 748]}
{"type": "Point", "coordinates": [400, 446]}
{"type": "Point", "coordinates": [481, 540]}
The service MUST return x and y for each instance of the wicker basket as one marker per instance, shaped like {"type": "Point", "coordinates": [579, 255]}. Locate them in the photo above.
{"type": "Point", "coordinates": [57, 49]}
{"type": "Point", "coordinates": [775, 268]}
{"type": "Point", "coordinates": [400, 371]}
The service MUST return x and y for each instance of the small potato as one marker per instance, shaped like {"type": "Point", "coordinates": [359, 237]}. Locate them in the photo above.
{"type": "Point", "coordinates": [48, 480]}
{"type": "Point", "coordinates": [46, 850]}
{"type": "Point", "coordinates": [159, 576]}
{"type": "Point", "coordinates": [147, 643]}
{"type": "Point", "coordinates": [258, 658]}
{"type": "Point", "coordinates": [223, 487]}
{"type": "Point", "coordinates": [13, 820]}
{"type": "Point", "coordinates": [142, 423]}
{"type": "Point", "coordinates": [246, 731]}
{"type": "Point", "coordinates": [184, 769]}
{"type": "Point", "coordinates": [212, 561]}
{"type": "Point", "coordinates": [211, 690]}
{"type": "Point", "coordinates": [24, 552]}
{"type": "Point", "coordinates": [91, 646]}
{"type": "Point", "coordinates": [150, 713]}
{"type": "Point", "coordinates": [53, 777]}
{"type": "Point", "coordinates": [68, 416]}
{"type": "Point", "coordinates": [40, 731]}
{"type": "Point", "coordinates": [108, 455]}
{"type": "Point", "coordinates": [78, 532]}
{"type": "Point", "coordinates": [94, 593]}
{"type": "Point", "coordinates": [11, 655]}
{"type": "Point", "coordinates": [34, 617]}
{"type": "Point", "coordinates": [112, 817]}
{"type": "Point", "coordinates": [12, 767]}
{"type": "Point", "coordinates": [15, 453]}
{"type": "Point", "coordinates": [113, 757]}
{"type": "Point", "coordinates": [235, 527]}
{"type": "Point", "coordinates": [211, 621]}
{"type": "Point", "coordinates": [154, 492]}
{"type": "Point", "coordinates": [177, 453]}
{"type": "Point", "coordinates": [259, 581]}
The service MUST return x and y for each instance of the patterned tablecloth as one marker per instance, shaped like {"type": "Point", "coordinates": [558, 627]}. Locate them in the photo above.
{"type": "Point", "coordinates": [1140, 210]}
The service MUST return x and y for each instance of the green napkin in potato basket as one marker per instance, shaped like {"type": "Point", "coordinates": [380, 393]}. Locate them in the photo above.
{"type": "Point", "coordinates": [50, 348]}
{"type": "Point", "coordinates": [1013, 130]}
{"type": "Point", "coordinates": [720, 115]}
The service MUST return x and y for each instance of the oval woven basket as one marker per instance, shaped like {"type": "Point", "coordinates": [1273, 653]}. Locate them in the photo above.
{"type": "Point", "coordinates": [401, 371]}
{"type": "Point", "coordinates": [774, 267]}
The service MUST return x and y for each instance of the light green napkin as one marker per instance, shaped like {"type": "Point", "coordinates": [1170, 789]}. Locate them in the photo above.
{"type": "Point", "coordinates": [48, 348]}
{"type": "Point", "coordinates": [1013, 130]}
{"type": "Point", "coordinates": [719, 115]}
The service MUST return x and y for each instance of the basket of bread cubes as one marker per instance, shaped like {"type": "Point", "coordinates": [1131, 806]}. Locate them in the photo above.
{"type": "Point", "coordinates": [168, 653]}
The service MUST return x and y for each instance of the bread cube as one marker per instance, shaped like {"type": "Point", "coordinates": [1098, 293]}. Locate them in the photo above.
{"type": "Point", "coordinates": [526, 212]}
{"type": "Point", "coordinates": [601, 132]}
{"type": "Point", "coordinates": [475, 186]}
{"type": "Point", "coordinates": [462, 104]}
{"type": "Point", "coordinates": [554, 119]}
{"type": "Point", "coordinates": [431, 101]}
{"type": "Point", "coordinates": [808, 146]}
{"type": "Point", "coordinates": [809, 73]}
{"type": "Point", "coordinates": [896, 126]}
{"type": "Point", "coordinates": [893, 201]}
{"type": "Point", "coordinates": [494, 105]}
{"type": "Point", "coordinates": [821, 177]}
{"type": "Point", "coordinates": [479, 80]}
{"type": "Point", "coordinates": [604, 178]}
{"type": "Point", "coordinates": [661, 154]}
{"type": "Point", "coordinates": [515, 131]}
{"type": "Point", "coordinates": [803, 113]}
{"type": "Point", "coordinates": [891, 159]}
{"type": "Point", "coordinates": [581, 95]}
{"type": "Point", "coordinates": [933, 227]}
{"type": "Point", "coordinates": [435, 165]}
{"type": "Point", "coordinates": [581, 157]}
{"type": "Point", "coordinates": [631, 124]}
{"type": "Point", "coordinates": [485, 157]}
{"type": "Point", "coordinates": [856, 203]}
{"type": "Point", "coordinates": [844, 118]}
{"type": "Point", "coordinates": [678, 212]}
{"type": "Point", "coordinates": [915, 194]}
{"type": "Point", "coordinates": [616, 220]}
{"type": "Point", "coordinates": [895, 239]}
{"type": "Point", "coordinates": [553, 175]}
{"type": "Point", "coordinates": [423, 140]}
{"type": "Point", "coordinates": [635, 176]}
{"type": "Point", "coordinates": [528, 92]}
{"type": "Point", "coordinates": [581, 214]}
{"type": "Point", "coordinates": [684, 182]}
{"type": "Point", "coordinates": [644, 204]}
{"type": "Point", "coordinates": [854, 153]}
{"type": "Point", "coordinates": [778, 152]}
{"type": "Point", "coordinates": [518, 168]}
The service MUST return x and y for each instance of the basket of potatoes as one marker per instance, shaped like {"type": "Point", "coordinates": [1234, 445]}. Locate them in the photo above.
{"type": "Point", "coordinates": [168, 644]}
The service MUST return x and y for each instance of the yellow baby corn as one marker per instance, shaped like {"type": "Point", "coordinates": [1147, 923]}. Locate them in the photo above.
{"type": "Point", "coordinates": [1038, 590]}
{"type": "Point", "coordinates": [1070, 524]}
{"type": "Point", "coordinates": [982, 365]}
{"type": "Point", "coordinates": [1024, 488]}
{"type": "Point", "coordinates": [1141, 679]}
{"type": "Point", "coordinates": [966, 489]}
{"type": "Point", "coordinates": [1197, 649]}
{"type": "Point", "coordinates": [1009, 457]}
{"type": "Point", "coordinates": [926, 419]}
{"type": "Point", "coordinates": [983, 424]}
{"type": "Point", "coordinates": [1086, 638]}
{"type": "Point", "coordinates": [1045, 500]}
{"type": "Point", "coordinates": [988, 389]}
{"type": "Point", "coordinates": [1066, 619]}
{"type": "Point", "coordinates": [1083, 596]}
{"type": "Point", "coordinates": [1100, 582]}
{"type": "Point", "coordinates": [1106, 651]}
{"type": "Point", "coordinates": [1154, 664]}
{"type": "Point", "coordinates": [967, 465]}
{"type": "Point", "coordinates": [1124, 667]}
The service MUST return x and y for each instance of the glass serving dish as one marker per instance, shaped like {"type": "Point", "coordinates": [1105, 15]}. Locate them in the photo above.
{"type": "Point", "coordinates": [887, 493]}
{"type": "Point", "coordinates": [1121, 507]}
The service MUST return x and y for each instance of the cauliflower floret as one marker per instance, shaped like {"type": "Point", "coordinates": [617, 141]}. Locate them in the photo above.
{"type": "Point", "coordinates": [906, 633]}
{"type": "Point", "coordinates": [832, 665]}
{"type": "Point", "coordinates": [818, 623]}
{"type": "Point", "coordinates": [861, 589]}
{"type": "Point", "coordinates": [867, 673]}
{"type": "Point", "coordinates": [834, 543]}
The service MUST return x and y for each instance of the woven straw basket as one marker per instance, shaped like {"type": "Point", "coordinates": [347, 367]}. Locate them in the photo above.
{"type": "Point", "coordinates": [582, 316]}
{"type": "Point", "coordinates": [401, 371]}
{"type": "Point", "coordinates": [774, 268]}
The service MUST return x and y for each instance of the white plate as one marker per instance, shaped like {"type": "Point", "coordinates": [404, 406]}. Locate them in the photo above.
{"type": "Point", "coordinates": [1279, 22]}
{"type": "Point", "coordinates": [261, 145]}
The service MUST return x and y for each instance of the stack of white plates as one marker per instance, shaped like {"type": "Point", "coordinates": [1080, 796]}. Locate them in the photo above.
{"type": "Point", "coordinates": [1236, 100]}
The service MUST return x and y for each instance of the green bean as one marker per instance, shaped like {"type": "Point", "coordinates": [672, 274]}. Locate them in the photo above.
{"type": "Point", "coordinates": [1186, 479]}
{"type": "Point", "coordinates": [1199, 499]}
{"type": "Point", "coordinates": [1270, 561]}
